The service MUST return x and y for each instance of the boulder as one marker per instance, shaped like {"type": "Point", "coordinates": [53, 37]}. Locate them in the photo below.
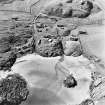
{"type": "Point", "coordinates": [48, 47]}
{"type": "Point", "coordinates": [73, 48]}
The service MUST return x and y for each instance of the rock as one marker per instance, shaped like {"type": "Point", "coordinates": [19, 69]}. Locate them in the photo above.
{"type": "Point", "coordinates": [83, 9]}
{"type": "Point", "coordinates": [13, 90]}
{"type": "Point", "coordinates": [80, 14]}
{"type": "Point", "coordinates": [62, 31]}
{"type": "Point", "coordinates": [95, 9]}
{"type": "Point", "coordinates": [87, 102]}
{"type": "Point", "coordinates": [73, 48]}
{"type": "Point", "coordinates": [68, 10]}
{"type": "Point", "coordinates": [73, 38]}
{"type": "Point", "coordinates": [86, 5]}
{"type": "Point", "coordinates": [70, 82]}
{"type": "Point", "coordinates": [69, 1]}
{"type": "Point", "coordinates": [97, 87]}
{"type": "Point", "coordinates": [54, 10]}
{"type": "Point", "coordinates": [48, 47]}
{"type": "Point", "coordinates": [74, 35]}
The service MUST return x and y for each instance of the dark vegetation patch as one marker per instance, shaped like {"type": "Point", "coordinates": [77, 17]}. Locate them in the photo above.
{"type": "Point", "coordinates": [13, 90]}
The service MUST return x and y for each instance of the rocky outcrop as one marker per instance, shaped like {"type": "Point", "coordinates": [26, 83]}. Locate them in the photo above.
{"type": "Point", "coordinates": [73, 48]}
{"type": "Point", "coordinates": [56, 22]}
{"type": "Point", "coordinates": [87, 102]}
{"type": "Point", "coordinates": [48, 46]}
{"type": "Point", "coordinates": [57, 36]}
{"type": "Point", "coordinates": [97, 87]}
{"type": "Point", "coordinates": [70, 9]}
